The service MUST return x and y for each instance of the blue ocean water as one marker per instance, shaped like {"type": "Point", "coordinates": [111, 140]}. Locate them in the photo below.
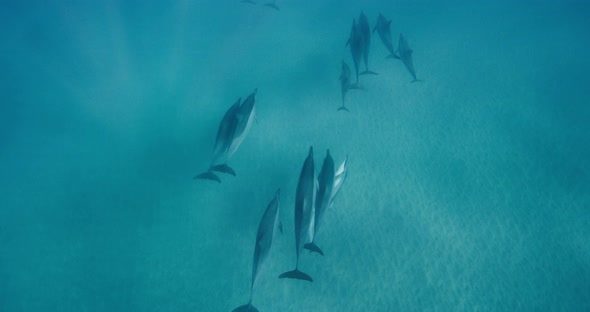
{"type": "Point", "coordinates": [466, 192]}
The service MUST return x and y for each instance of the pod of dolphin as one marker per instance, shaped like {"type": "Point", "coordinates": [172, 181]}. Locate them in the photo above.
{"type": "Point", "coordinates": [315, 193]}
{"type": "Point", "coordinates": [359, 43]}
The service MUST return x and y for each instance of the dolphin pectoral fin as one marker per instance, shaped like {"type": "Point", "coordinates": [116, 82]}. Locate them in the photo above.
{"type": "Point", "coordinates": [368, 72]}
{"type": "Point", "coordinates": [245, 308]}
{"type": "Point", "coordinates": [343, 108]}
{"type": "Point", "coordinates": [208, 176]}
{"type": "Point", "coordinates": [296, 274]}
{"type": "Point", "coordinates": [312, 247]}
{"type": "Point", "coordinates": [223, 168]}
{"type": "Point", "coordinates": [393, 56]}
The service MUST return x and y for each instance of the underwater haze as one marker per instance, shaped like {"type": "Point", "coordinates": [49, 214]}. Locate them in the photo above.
{"type": "Point", "coordinates": [469, 191]}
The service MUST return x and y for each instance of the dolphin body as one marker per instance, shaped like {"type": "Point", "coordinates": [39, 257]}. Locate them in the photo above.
{"type": "Point", "coordinates": [244, 117]}
{"type": "Point", "coordinates": [383, 28]}
{"type": "Point", "coordinates": [267, 230]}
{"type": "Point", "coordinates": [405, 54]}
{"type": "Point", "coordinates": [325, 185]}
{"type": "Point", "coordinates": [272, 5]}
{"type": "Point", "coordinates": [365, 33]}
{"type": "Point", "coordinates": [231, 133]}
{"type": "Point", "coordinates": [329, 182]}
{"type": "Point", "coordinates": [304, 213]}
{"type": "Point", "coordinates": [345, 84]}
{"type": "Point", "coordinates": [355, 42]}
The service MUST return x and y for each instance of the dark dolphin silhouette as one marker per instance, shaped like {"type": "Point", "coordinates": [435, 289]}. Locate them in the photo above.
{"type": "Point", "coordinates": [355, 42]}
{"type": "Point", "coordinates": [272, 5]}
{"type": "Point", "coordinates": [383, 28]}
{"type": "Point", "coordinates": [225, 134]}
{"type": "Point", "coordinates": [405, 54]}
{"type": "Point", "coordinates": [232, 130]}
{"type": "Point", "coordinates": [329, 185]}
{"type": "Point", "coordinates": [267, 229]}
{"type": "Point", "coordinates": [324, 193]}
{"type": "Point", "coordinates": [365, 33]}
{"type": "Point", "coordinates": [244, 117]}
{"type": "Point", "coordinates": [304, 213]}
{"type": "Point", "coordinates": [345, 84]}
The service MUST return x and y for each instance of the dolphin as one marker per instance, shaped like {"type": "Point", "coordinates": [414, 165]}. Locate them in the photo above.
{"type": "Point", "coordinates": [337, 181]}
{"type": "Point", "coordinates": [232, 130]}
{"type": "Point", "coordinates": [405, 54]}
{"type": "Point", "coordinates": [223, 141]}
{"type": "Point", "coordinates": [356, 47]}
{"type": "Point", "coordinates": [365, 33]}
{"type": "Point", "coordinates": [325, 187]}
{"type": "Point", "coordinates": [345, 84]}
{"type": "Point", "coordinates": [244, 117]}
{"type": "Point", "coordinates": [267, 229]}
{"type": "Point", "coordinates": [248, 1]}
{"type": "Point", "coordinates": [272, 5]}
{"type": "Point", "coordinates": [383, 28]}
{"type": "Point", "coordinates": [304, 213]}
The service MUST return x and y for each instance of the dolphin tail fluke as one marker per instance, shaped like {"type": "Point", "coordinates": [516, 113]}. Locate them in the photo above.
{"type": "Point", "coordinates": [368, 72]}
{"type": "Point", "coordinates": [208, 176]}
{"type": "Point", "coordinates": [312, 247]}
{"type": "Point", "coordinates": [343, 108]}
{"type": "Point", "coordinates": [223, 168]}
{"type": "Point", "coordinates": [296, 274]}
{"type": "Point", "coordinates": [416, 80]}
{"type": "Point", "coordinates": [393, 56]}
{"type": "Point", "coordinates": [245, 308]}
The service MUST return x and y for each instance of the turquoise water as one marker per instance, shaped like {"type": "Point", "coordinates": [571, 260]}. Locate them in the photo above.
{"type": "Point", "coordinates": [466, 192]}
